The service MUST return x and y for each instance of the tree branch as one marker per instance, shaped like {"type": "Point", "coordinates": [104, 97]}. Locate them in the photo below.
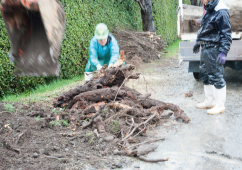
{"type": "Point", "coordinates": [143, 8]}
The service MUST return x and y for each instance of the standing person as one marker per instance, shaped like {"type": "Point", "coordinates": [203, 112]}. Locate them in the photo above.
{"type": "Point", "coordinates": [215, 38]}
{"type": "Point", "coordinates": [103, 49]}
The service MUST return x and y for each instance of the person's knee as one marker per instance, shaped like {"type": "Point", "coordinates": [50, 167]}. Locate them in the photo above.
{"type": "Point", "coordinates": [220, 84]}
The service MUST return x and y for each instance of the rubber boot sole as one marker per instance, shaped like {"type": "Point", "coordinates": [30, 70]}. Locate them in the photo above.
{"type": "Point", "coordinates": [205, 107]}
{"type": "Point", "coordinates": [216, 113]}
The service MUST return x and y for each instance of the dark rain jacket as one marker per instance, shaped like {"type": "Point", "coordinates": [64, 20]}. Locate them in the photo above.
{"type": "Point", "coordinates": [216, 29]}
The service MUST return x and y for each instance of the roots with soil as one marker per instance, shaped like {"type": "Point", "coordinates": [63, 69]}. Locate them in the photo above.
{"type": "Point", "coordinates": [120, 115]}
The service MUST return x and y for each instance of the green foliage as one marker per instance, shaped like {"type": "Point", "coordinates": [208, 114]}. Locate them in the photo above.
{"type": "Point", "coordinates": [115, 126]}
{"type": "Point", "coordinates": [188, 2]}
{"type": "Point", "coordinates": [165, 18]}
{"type": "Point", "coordinates": [172, 49]}
{"type": "Point", "coordinates": [57, 110]}
{"type": "Point", "coordinates": [9, 107]}
{"type": "Point", "coordinates": [55, 123]}
{"type": "Point", "coordinates": [65, 122]}
{"type": "Point", "coordinates": [38, 118]}
{"type": "Point", "coordinates": [89, 134]}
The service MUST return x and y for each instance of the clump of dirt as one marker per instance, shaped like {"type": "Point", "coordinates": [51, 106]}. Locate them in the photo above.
{"type": "Point", "coordinates": [145, 45]}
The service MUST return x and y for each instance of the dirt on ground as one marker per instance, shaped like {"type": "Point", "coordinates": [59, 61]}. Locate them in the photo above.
{"type": "Point", "coordinates": [30, 142]}
{"type": "Point", "coordinates": [140, 46]}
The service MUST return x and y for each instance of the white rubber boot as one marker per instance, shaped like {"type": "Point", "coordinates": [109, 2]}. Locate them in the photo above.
{"type": "Point", "coordinates": [220, 98]}
{"type": "Point", "coordinates": [209, 101]}
{"type": "Point", "coordinates": [88, 76]}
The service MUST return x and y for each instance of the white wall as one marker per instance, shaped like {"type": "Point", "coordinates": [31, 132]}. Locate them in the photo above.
{"type": "Point", "coordinates": [228, 2]}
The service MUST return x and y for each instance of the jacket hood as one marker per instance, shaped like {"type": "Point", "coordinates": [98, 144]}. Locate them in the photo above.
{"type": "Point", "coordinates": [221, 5]}
{"type": "Point", "coordinates": [211, 5]}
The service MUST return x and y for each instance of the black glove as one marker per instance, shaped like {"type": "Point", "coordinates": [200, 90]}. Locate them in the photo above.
{"type": "Point", "coordinates": [196, 48]}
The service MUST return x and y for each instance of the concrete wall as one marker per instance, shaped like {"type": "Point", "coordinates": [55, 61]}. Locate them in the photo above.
{"type": "Point", "coordinates": [228, 2]}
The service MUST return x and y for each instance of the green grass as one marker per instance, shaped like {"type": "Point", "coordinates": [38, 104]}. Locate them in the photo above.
{"type": "Point", "coordinates": [172, 49]}
{"type": "Point", "coordinates": [46, 93]}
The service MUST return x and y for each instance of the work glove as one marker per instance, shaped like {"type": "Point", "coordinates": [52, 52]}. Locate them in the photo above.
{"type": "Point", "coordinates": [110, 65]}
{"type": "Point", "coordinates": [99, 67]}
{"type": "Point", "coordinates": [196, 48]}
{"type": "Point", "coordinates": [221, 58]}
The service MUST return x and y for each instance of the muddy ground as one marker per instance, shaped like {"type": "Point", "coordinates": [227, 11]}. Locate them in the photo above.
{"type": "Point", "coordinates": [207, 142]}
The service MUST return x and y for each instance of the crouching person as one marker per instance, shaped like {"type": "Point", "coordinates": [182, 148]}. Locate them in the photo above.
{"type": "Point", "coordinates": [103, 49]}
{"type": "Point", "coordinates": [215, 39]}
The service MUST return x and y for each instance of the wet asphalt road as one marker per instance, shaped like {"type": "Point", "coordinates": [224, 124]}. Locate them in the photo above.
{"type": "Point", "coordinates": [207, 142]}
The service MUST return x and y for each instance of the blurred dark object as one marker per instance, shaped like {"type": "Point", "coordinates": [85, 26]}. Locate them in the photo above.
{"type": "Point", "coordinates": [196, 22]}
{"type": "Point", "coordinates": [35, 29]}
{"type": "Point", "coordinates": [196, 2]}
{"type": "Point", "coordinates": [189, 94]}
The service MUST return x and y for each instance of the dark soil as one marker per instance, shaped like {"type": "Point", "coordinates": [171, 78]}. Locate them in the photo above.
{"type": "Point", "coordinates": [139, 46]}
{"type": "Point", "coordinates": [31, 143]}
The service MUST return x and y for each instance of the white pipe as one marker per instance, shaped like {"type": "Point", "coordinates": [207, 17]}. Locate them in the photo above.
{"type": "Point", "coordinates": [181, 8]}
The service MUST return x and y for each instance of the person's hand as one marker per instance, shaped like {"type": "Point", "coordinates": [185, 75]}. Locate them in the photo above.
{"type": "Point", "coordinates": [221, 58]}
{"type": "Point", "coordinates": [196, 48]}
{"type": "Point", "coordinates": [99, 67]}
{"type": "Point", "coordinates": [110, 65]}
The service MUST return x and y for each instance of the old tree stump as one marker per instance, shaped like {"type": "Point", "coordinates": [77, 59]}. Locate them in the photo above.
{"type": "Point", "coordinates": [119, 113]}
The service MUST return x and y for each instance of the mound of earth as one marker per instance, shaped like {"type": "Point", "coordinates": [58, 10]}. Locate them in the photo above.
{"type": "Point", "coordinates": [144, 45]}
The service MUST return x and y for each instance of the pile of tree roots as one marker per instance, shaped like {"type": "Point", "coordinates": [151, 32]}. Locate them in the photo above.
{"type": "Point", "coordinates": [146, 46]}
{"type": "Point", "coordinates": [115, 112]}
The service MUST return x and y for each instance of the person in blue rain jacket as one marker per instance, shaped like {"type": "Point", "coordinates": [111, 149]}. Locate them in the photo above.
{"type": "Point", "coordinates": [103, 49]}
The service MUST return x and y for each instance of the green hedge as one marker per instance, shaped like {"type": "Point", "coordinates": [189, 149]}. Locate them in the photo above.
{"type": "Point", "coordinates": [165, 17]}
{"type": "Point", "coordinates": [81, 18]}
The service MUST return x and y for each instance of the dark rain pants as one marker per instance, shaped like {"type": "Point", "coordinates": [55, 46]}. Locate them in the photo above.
{"type": "Point", "coordinates": [211, 72]}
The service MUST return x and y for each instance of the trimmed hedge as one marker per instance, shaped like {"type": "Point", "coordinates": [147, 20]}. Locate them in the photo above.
{"type": "Point", "coordinates": [165, 17]}
{"type": "Point", "coordinates": [81, 18]}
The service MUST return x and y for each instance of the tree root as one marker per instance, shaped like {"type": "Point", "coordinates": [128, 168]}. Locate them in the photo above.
{"type": "Point", "coordinates": [142, 158]}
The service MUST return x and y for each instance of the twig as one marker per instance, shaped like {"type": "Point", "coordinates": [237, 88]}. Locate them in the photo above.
{"type": "Point", "coordinates": [150, 141]}
{"type": "Point", "coordinates": [91, 121]}
{"type": "Point", "coordinates": [147, 82]}
{"type": "Point", "coordinates": [131, 125]}
{"type": "Point", "coordinates": [142, 158]}
{"type": "Point", "coordinates": [139, 132]}
{"type": "Point", "coordinates": [80, 135]}
{"type": "Point", "coordinates": [143, 123]}
{"type": "Point", "coordinates": [6, 112]}
{"type": "Point", "coordinates": [121, 86]}
{"type": "Point", "coordinates": [19, 136]}
{"type": "Point", "coordinates": [122, 133]}
{"type": "Point", "coordinates": [53, 157]}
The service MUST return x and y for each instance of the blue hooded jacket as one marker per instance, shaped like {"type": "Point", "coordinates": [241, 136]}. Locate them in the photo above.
{"type": "Point", "coordinates": [98, 54]}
